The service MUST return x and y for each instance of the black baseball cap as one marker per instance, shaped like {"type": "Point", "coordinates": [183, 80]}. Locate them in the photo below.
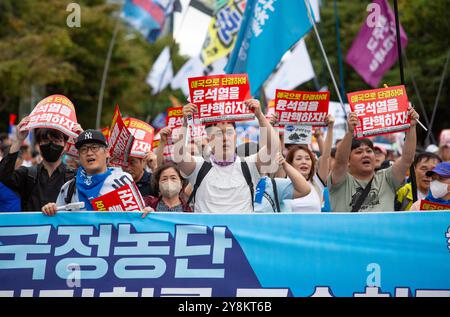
{"type": "Point", "coordinates": [90, 136]}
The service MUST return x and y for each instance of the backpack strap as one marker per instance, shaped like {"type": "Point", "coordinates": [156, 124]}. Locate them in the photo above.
{"type": "Point", "coordinates": [357, 206]}
{"type": "Point", "coordinates": [206, 166]}
{"type": "Point", "coordinates": [70, 191]}
{"type": "Point", "coordinates": [275, 193]}
{"type": "Point", "coordinates": [248, 179]}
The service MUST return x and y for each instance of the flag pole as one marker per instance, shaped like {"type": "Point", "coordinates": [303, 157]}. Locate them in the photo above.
{"type": "Point", "coordinates": [105, 70]}
{"type": "Point", "coordinates": [324, 56]}
{"type": "Point", "coordinates": [412, 173]}
{"type": "Point", "coordinates": [338, 40]}
{"type": "Point", "coordinates": [436, 102]}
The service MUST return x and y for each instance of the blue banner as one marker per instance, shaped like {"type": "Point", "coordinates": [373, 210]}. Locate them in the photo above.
{"type": "Point", "coordinates": [268, 30]}
{"type": "Point", "coordinates": [171, 254]}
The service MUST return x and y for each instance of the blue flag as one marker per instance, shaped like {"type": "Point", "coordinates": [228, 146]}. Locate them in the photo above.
{"type": "Point", "coordinates": [146, 16]}
{"type": "Point", "coordinates": [268, 30]}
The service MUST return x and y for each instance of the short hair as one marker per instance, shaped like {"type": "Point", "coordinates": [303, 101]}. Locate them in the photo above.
{"type": "Point", "coordinates": [291, 154]}
{"type": "Point", "coordinates": [162, 168]}
{"type": "Point", "coordinates": [357, 143]}
{"type": "Point", "coordinates": [426, 156]}
{"type": "Point", "coordinates": [44, 134]}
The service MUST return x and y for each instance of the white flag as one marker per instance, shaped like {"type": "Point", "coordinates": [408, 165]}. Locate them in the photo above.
{"type": "Point", "coordinates": [192, 68]}
{"type": "Point", "coordinates": [296, 68]}
{"type": "Point", "coordinates": [161, 73]}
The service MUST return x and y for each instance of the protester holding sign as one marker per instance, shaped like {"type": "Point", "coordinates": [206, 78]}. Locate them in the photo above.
{"type": "Point", "coordinates": [226, 184]}
{"type": "Point", "coordinates": [353, 183]}
{"type": "Point", "coordinates": [438, 197]}
{"type": "Point", "coordinates": [272, 194]}
{"type": "Point", "coordinates": [93, 178]}
{"type": "Point", "coordinates": [53, 121]}
{"type": "Point", "coordinates": [140, 155]}
{"type": "Point", "coordinates": [423, 163]}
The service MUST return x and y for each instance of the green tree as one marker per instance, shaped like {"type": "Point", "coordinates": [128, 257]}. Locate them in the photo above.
{"type": "Point", "coordinates": [38, 48]}
{"type": "Point", "coordinates": [427, 27]}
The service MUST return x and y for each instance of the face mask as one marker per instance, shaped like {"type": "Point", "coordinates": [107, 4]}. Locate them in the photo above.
{"type": "Point", "coordinates": [170, 189]}
{"type": "Point", "coordinates": [51, 152]}
{"type": "Point", "coordinates": [438, 189]}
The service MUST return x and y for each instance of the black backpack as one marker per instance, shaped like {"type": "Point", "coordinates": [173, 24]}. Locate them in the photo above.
{"type": "Point", "coordinates": [206, 167]}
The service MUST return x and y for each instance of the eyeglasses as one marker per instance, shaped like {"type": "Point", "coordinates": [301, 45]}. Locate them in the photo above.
{"type": "Point", "coordinates": [94, 148]}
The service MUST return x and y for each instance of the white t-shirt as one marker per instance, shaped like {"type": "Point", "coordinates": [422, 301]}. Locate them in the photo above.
{"type": "Point", "coordinates": [117, 179]}
{"type": "Point", "coordinates": [309, 203]}
{"type": "Point", "coordinates": [224, 189]}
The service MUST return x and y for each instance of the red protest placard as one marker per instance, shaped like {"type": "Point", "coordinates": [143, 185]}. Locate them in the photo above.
{"type": "Point", "coordinates": [54, 112]}
{"type": "Point", "coordinates": [125, 198]}
{"type": "Point", "coordinates": [72, 150]}
{"type": "Point", "coordinates": [120, 140]}
{"type": "Point", "coordinates": [380, 111]}
{"type": "Point", "coordinates": [221, 97]}
{"type": "Point", "coordinates": [174, 121]}
{"type": "Point", "coordinates": [105, 132]}
{"type": "Point", "coordinates": [143, 136]}
{"type": "Point", "coordinates": [302, 107]}
{"type": "Point", "coordinates": [428, 205]}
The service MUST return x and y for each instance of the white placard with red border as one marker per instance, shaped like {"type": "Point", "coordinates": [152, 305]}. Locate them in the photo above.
{"type": "Point", "coordinates": [120, 140]}
{"type": "Point", "coordinates": [54, 112]}
{"type": "Point", "coordinates": [125, 198]}
{"type": "Point", "coordinates": [143, 136]}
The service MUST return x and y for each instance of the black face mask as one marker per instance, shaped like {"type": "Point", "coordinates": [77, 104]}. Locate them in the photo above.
{"type": "Point", "coordinates": [51, 152]}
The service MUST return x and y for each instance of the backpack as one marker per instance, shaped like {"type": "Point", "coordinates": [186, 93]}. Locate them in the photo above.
{"type": "Point", "coordinates": [206, 167]}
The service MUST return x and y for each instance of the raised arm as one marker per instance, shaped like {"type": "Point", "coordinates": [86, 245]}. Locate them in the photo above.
{"type": "Point", "coordinates": [325, 152]}
{"type": "Point", "coordinates": [343, 151]}
{"type": "Point", "coordinates": [164, 135]}
{"type": "Point", "coordinates": [182, 157]}
{"type": "Point", "coordinates": [269, 141]}
{"type": "Point", "coordinates": [402, 164]}
{"type": "Point", "coordinates": [301, 186]}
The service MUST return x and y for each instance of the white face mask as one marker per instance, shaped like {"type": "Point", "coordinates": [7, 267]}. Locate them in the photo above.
{"type": "Point", "coordinates": [170, 189]}
{"type": "Point", "coordinates": [438, 189]}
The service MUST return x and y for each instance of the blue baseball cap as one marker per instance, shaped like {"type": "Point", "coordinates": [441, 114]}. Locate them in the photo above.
{"type": "Point", "coordinates": [442, 169]}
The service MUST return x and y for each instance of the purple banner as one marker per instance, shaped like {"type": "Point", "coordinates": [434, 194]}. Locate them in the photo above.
{"type": "Point", "coordinates": [374, 50]}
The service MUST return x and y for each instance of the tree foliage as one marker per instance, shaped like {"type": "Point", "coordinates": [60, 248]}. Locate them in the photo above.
{"type": "Point", "coordinates": [38, 48]}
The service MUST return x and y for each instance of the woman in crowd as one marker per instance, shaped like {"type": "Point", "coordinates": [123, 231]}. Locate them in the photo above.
{"type": "Point", "coordinates": [169, 184]}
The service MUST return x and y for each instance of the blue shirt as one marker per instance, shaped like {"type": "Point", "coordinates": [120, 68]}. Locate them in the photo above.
{"type": "Point", "coordinates": [9, 200]}
{"type": "Point", "coordinates": [285, 191]}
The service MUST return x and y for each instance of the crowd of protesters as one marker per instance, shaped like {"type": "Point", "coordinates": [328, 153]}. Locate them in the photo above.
{"type": "Point", "coordinates": [211, 177]}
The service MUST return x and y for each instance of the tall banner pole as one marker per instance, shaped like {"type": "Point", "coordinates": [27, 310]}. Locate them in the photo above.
{"type": "Point", "coordinates": [325, 55]}
{"type": "Point", "coordinates": [412, 173]}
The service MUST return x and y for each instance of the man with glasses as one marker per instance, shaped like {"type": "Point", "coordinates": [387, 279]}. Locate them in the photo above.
{"type": "Point", "coordinates": [227, 183]}
{"type": "Point", "coordinates": [94, 178]}
{"type": "Point", "coordinates": [37, 185]}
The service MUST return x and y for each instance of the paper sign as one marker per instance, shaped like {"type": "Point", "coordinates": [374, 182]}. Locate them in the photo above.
{"type": "Point", "coordinates": [120, 140]}
{"type": "Point", "coordinates": [380, 111]}
{"type": "Point", "coordinates": [444, 137]}
{"type": "Point", "coordinates": [221, 97]}
{"type": "Point", "coordinates": [174, 121]}
{"type": "Point", "coordinates": [298, 134]}
{"type": "Point", "coordinates": [428, 205]}
{"type": "Point", "coordinates": [143, 136]}
{"type": "Point", "coordinates": [105, 132]}
{"type": "Point", "coordinates": [125, 198]}
{"type": "Point", "coordinates": [72, 150]}
{"type": "Point", "coordinates": [54, 112]}
{"type": "Point", "coordinates": [302, 107]}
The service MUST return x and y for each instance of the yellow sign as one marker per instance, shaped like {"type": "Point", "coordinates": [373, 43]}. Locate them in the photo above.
{"type": "Point", "coordinates": [223, 30]}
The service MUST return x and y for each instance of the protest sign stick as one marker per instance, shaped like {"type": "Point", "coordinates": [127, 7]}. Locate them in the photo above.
{"type": "Point", "coordinates": [436, 102]}
{"type": "Point", "coordinates": [412, 173]}
{"type": "Point", "coordinates": [325, 56]}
